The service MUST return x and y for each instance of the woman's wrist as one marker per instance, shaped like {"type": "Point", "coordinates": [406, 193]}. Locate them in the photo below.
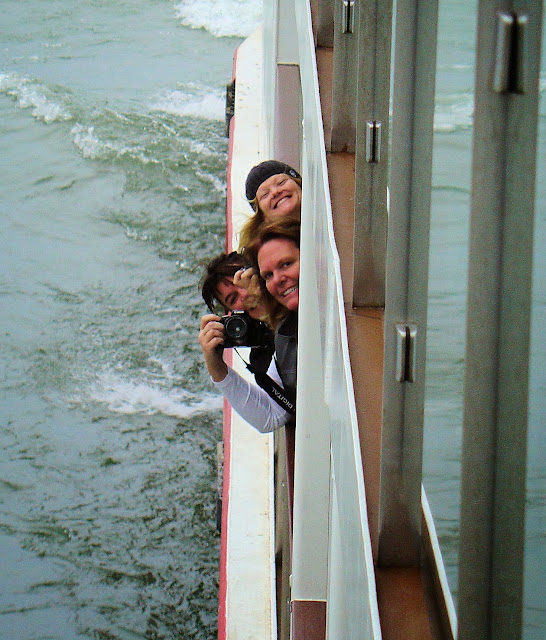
{"type": "Point", "coordinates": [217, 368]}
{"type": "Point", "coordinates": [219, 373]}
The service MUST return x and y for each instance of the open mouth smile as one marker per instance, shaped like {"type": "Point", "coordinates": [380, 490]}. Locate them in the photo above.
{"type": "Point", "coordinates": [286, 293]}
{"type": "Point", "coordinates": [279, 202]}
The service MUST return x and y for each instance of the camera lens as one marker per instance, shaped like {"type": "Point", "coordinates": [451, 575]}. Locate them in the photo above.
{"type": "Point", "coordinates": [235, 327]}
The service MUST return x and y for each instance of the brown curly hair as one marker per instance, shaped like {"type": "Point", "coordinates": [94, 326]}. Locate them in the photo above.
{"type": "Point", "coordinates": [283, 228]}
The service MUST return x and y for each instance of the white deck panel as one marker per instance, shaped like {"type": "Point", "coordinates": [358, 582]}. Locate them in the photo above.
{"type": "Point", "coordinates": [250, 562]}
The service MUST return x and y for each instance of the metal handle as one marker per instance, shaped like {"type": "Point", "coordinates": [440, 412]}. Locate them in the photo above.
{"type": "Point", "coordinates": [347, 16]}
{"type": "Point", "coordinates": [406, 335]}
{"type": "Point", "coordinates": [509, 71]}
{"type": "Point", "coordinates": [373, 141]}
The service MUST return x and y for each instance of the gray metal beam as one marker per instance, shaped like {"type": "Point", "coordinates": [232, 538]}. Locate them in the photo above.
{"type": "Point", "coordinates": [498, 321]}
{"type": "Point", "coordinates": [324, 23]}
{"type": "Point", "coordinates": [344, 77]}
{"type": "Point", "coordinates": [374, 27]}
{"type": "Point", "coordinates": [407, 283]}
{"type": "Point", "coordinates": [284, 112]}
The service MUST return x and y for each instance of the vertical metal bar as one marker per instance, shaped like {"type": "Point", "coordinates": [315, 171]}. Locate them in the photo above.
{"type": "Point", "coordinates": [266, 139]}
{"type": "Point", "coordinates": [310, 543]}
{"type": "Point", "coordinates": [325, 23]}
{"type": "Point", "coordinates": [374, 27]}
{"type": "Point", "coordinates": [285, 141]}
{"type": "Point", "coordinates": [344, 85]}
{"type": "Point", "coordinates": [497, 343]}
{"type": "Point", "coordinates": [407, 280]}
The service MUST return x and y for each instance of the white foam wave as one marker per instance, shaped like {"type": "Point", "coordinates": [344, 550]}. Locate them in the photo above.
{"type": "Point", "coordinates": [33, 95]}
{"type": "Point", "coordinates": [127, 397]}
{"type": "Point", "coordinates": [453, 112]}
{"type": "Point", "coordinates": [204, 150]}
{"type": "Point", "coordinates": [92, 146]}
{"type": "Point", "coordinates": [458, 66]}
{"type": "Point", "coordinates": [219, 185]}
{"type": "Point", "coordinates": [191, 100]}
{"type": "Point", "coordinates": [222, 17]}
{"type": "Point", "coordinates": [86, 141]}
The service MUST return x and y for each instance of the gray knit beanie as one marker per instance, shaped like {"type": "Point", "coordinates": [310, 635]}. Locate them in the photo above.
{"type": "Point", "coordinates": [261, 172]}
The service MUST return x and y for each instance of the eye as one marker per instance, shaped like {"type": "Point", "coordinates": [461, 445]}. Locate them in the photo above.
{"type": "Point", "coordinates": [267, 276]}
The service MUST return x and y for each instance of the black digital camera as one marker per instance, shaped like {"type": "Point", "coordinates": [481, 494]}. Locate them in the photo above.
{"type": "Point", "coordinates": [243, 331]}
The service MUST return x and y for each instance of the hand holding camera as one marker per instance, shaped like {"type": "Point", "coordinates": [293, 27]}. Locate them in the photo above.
{"type": "Point", "coordinates": [235, 330]}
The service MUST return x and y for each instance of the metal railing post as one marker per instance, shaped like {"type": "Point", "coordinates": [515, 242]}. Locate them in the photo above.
{"type": "Point", "coordinates": [374, 26]}
{"type": "Point", "coordinates": [344, 78]}
{"type": "Point", "coordinates": [407, 283]}
{"type": "Point", "coordinates": [498, 321]}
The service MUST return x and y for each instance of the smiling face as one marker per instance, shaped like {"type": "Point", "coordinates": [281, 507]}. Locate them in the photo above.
{"type": "Point", "coordinates": [279, 263]}
{"type": "Point", "coordinates": [278, 196]}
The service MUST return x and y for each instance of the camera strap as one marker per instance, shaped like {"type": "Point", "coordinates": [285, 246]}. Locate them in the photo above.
{"type": "Point", "coordinates": [283, 397]}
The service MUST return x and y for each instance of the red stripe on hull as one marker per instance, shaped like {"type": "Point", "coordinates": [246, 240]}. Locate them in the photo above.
{"type": "Point", "coordinates": [222, 590]}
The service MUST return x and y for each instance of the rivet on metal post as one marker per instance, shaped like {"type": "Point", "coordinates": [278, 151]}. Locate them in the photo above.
{"type": "Point", "coordinates": [406, 335]}
{"type": "Point", "coordinates": [373, 141]}
{"type": "Point", "coordinates": [509, 70]}
{"type": "Point", "coordinates": [347, 16]}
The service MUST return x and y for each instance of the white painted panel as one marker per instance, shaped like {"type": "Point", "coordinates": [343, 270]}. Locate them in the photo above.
{"type": "Point", "coordinates": [250, 561]}
{"type": "Point", "coordinates": [324, 369]}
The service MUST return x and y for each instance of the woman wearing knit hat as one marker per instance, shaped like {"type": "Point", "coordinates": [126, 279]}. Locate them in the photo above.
{"type": "Point", "coordinates": [273, 189]}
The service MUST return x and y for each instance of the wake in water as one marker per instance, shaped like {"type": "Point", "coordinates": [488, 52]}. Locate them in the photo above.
{"type": "Point", "coordinates": [192, 100]}
{"type": "Point", "coordinates": [222, 17]}
{"type": "Point", "coordinates": [113, 186]}
{"type": "Point", "coordinates": [31, 94]}
{"type": "Point", "coordinates": [129, 397]}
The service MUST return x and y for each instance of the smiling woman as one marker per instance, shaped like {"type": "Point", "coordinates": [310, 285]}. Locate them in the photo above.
{"type": "Point", "coordinates": [279, 261]}
{"type": "Point", "coordinates": [279, 196]}
{"type": "Point", "coordinates": [273, 190]}
{"type": "Point", "coordinates": [275, 255]}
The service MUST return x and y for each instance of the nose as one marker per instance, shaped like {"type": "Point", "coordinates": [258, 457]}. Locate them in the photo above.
{"type": "Point", "coordinates": [278, 278]}
{"type": "Point", "coordinates": [275, 189]}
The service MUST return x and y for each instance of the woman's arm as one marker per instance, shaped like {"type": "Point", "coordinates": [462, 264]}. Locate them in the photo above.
{"type": "Point", "coordinates": [252, 403]}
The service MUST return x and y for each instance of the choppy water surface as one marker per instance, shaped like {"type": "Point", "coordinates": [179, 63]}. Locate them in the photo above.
{"type": "Point", "coordinates": [112, 175]}
{"type": "Point", "coordinates": [112, 170]}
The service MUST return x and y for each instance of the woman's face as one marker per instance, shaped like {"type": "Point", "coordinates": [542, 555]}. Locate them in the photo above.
{"type": "Point", "coordinates": [279, 263]}
{"type": "Point", "coordinates": [279, 196]}
{"type": "Point", "coordinates": [230, 295]}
